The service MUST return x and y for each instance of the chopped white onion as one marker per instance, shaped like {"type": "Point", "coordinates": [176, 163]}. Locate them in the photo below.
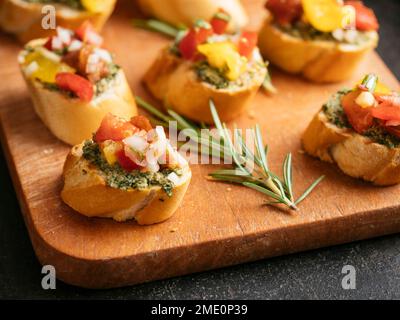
{"type": "Point", "coordinates": [103, 54]}
{"type": "Point", "coordinates": [137, 143]}
{"type": "Point", "coordinates": [31, 68]}
{"type": "Point", "coordinates": [173, 177]}
{"type": "Point", "coordinates": [350, 35]}
{"type": "Point", "coordinates": [365, 99]}
{"type": "Point", "coordinates": [64, 35]}
{"type": "Point", "coordinates": [338, 34]}
{"type": "Point", "coordinates": [49, 55]}
{"type": "Point", "coordinates": [75, 45]}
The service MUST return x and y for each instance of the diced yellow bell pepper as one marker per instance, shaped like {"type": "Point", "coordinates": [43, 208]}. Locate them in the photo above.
{"type": "Point", "coordinates": [325, 15]}
{"type": "Point", "coordinates": [96, 6]}
{"type": "Point", "coordinates": [47, 69]}
{"type": "Point", "coordinates": [110, 149]}
{"type": "Point", "coordinates": [225, 57]}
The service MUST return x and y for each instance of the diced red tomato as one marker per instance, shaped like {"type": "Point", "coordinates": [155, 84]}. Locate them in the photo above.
{"type": "Point", "coordinates": [88, 34]}
{"type": "Point", "coordinates": [388, 100]}
{"type": "Point", "coordinates": [141, 123]}
{"type": "Point", "coordinates": [196, 35]}
{"type": "Point", "coordinates": [115, 129]}
{"type": "Point", "coordinates": [247, 43]}
{"type": "Point", "coordinates": [220, 21]}
{"type": "Point", "coordinates": [388, 113]}
{"type": "Point", "coordinates": [360, 118]}
{"type": "Point", "coordinates": [49, 44]}
{"type": "Point", "coordinates": [126, 163]}
{"type": "Point", "coordinates": [365, 17]}
{"type": "Point", "coordinates": [82, 87]}
{"type": "Point", "coordinates": [285, 11]}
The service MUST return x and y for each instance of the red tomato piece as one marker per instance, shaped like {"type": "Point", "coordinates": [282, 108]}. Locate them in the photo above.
{"type": "Point", "coordinates": [220, 21]}
{"type": "Point", "coordinates": [195, 36]}
{"type": "Point", "coordinates": [88, 34]}
{"type": "Point", "coordinates": [365, 17]}
{"type": "Point", "coordinates": [285, 11]}
{"type": "Point", "coordinates": [388, 113]}
{"type": "Point", "coordinates": [247, 43]}
{"type": "Point", "coordinates": [115, 129]}
{"type": "Point", "coordinates": [126, 163]}
{"type": "Point", "coordinates": [360, 118]}
{"type": "Point", "coordinates": [141, 123]}
{"type": "Point", "coordinates": [80, 86]}
{"type": "Point", "coordinates": [393, 130]}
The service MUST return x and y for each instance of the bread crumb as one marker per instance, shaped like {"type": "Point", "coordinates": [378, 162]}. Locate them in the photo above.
{"type": "Point", "coordinates": [173, 230]}
{"type": "Point", "coordinates": [48, 151]}
{"type": "Point", "coordinates": [301, 151]}
{"type": "Point", "coordinates": [228, 189]}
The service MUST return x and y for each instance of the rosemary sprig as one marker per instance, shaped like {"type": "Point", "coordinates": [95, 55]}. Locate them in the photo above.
{"type": "Point", "coordinates": [250, 169]}
{"type": "Point", "coordinates": [157, 26]}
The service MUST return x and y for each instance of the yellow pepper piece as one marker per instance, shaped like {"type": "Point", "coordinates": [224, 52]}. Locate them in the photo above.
{"type": "Point", "coordinates": [325, 15]}
{"type": "Point", "coordinates": [96, 6]}
{"type": "Point", "coordinates": [110, 149]}
{"type": "Point", "coordinates": [47, 69]}
{"type": "Point", "coordinates": [224, 57]}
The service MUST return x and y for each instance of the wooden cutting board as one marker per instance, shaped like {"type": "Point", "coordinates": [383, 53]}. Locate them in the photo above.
{"type": "Point", "coordinates": [217, 225]}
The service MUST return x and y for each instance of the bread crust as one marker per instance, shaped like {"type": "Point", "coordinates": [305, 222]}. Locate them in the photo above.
{"type": "Point", "coordinates": [24, 19]}
{"type": "Point", "coordinates": [72, 120]}
{"type": "Point", "coordinates": [178, 12]}
{"type": "Point", "coordinates": [318, 61]}
{"type": "Point", "coordinates": [85, 191]}
{"type": "Point", "coordinates": [355, 155]}
{"type": "Point", "coordinates": [173, 81]}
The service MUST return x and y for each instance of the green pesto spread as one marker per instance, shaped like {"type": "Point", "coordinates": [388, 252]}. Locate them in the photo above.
{"type": "Point", "coordinates": [116, 177]}
{"type": "Point", "coordinates": [75, 4]}
{"type": "Point", "coordinates": [335, 114]}
{"type": "Point", "coordinates": [307, 32]}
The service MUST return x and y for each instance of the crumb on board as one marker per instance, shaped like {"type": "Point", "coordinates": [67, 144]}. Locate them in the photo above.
{"type": "Point", "coordinates": [228, 189]}
{"type": "Point", "coordinates": [301, 151]}
{"type": "Point", "coordinates": [173, 230]}
{"type": "Point", "coordinates": [252, 114]}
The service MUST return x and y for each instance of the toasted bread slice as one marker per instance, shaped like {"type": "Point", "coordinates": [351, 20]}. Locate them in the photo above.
{"type": "Point", "coordinates": [173, 81]}
{"type": "Point", "coordinates": [318, 61]}
{"type": "Point", "coordinates": [85, 191]}
{"type": "Point", "coordinates": [72, 120]}
{"type": "Point", "coordinates": [178, 12]}
{"type": "Point", "coordinates": [24, 19]}
{"type": "Point", "coordinates": [356, 155]}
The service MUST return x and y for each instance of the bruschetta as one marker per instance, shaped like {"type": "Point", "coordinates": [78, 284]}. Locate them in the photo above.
{"type": "Point", "coordinates": [127, 171]}
{"type": "Point", "coordinates": [359, 130]}
{"type": "Point", "coordinates": [182, 12]}
{"type": "Point", "coordinates": [207, 63]}
{"type": "Point", "coordinates": [24, 17]}
{"type": "Point", "coordinates": [323, 40]}
{"type": "Point", "coordinates": [74, 83]}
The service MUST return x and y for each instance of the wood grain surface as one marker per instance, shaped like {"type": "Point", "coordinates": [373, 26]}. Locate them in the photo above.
{"type": "Point", "coordinates": [218, 224]}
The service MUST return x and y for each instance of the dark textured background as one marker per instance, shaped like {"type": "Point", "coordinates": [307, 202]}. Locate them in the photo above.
{"type": "Point", "coordinates": [309, 275]}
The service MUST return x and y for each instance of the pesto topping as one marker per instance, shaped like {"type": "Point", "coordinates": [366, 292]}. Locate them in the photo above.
{"type": "Point", "coordinates": [335, 114]}
{"type": "Point", "coordinates": [214, 77]}
{"type": "Point", "coordinates": [105, 83]}
{"type": "Point", "coordinates": [211, 75]}
{"type": "Point", "coordinates": [118, 178]}
{"type": "Point", "coordinates": [334, 111]}
{"type": "Point", "coordinates": [74, 4]}
{"type": "Point", "coordinates": [306, 32]}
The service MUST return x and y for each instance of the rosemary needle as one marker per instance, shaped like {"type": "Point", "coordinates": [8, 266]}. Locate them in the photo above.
{"type": "Point", "coordinates": [249, 169]}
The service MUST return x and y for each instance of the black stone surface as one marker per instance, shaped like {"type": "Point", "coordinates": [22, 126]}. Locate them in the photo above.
{"type": "Point", "coordinates": [310, 275]}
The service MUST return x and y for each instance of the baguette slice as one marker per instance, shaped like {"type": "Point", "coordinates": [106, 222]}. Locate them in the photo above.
{"type": "Point", "coordinates": [318, 61]}
{"type": "Point", "coordinates": [173, 81]}
{"type": "Point", "coordinates": [72, 120]}
{"type": "Point", "coordinates": [24, 19]}
{"type": "Point", "coordinates": [178, 12]}
{"type": "Point", "coordinates": [85, 191]}
{"type": "Point", "coordinates": [355, 155]}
